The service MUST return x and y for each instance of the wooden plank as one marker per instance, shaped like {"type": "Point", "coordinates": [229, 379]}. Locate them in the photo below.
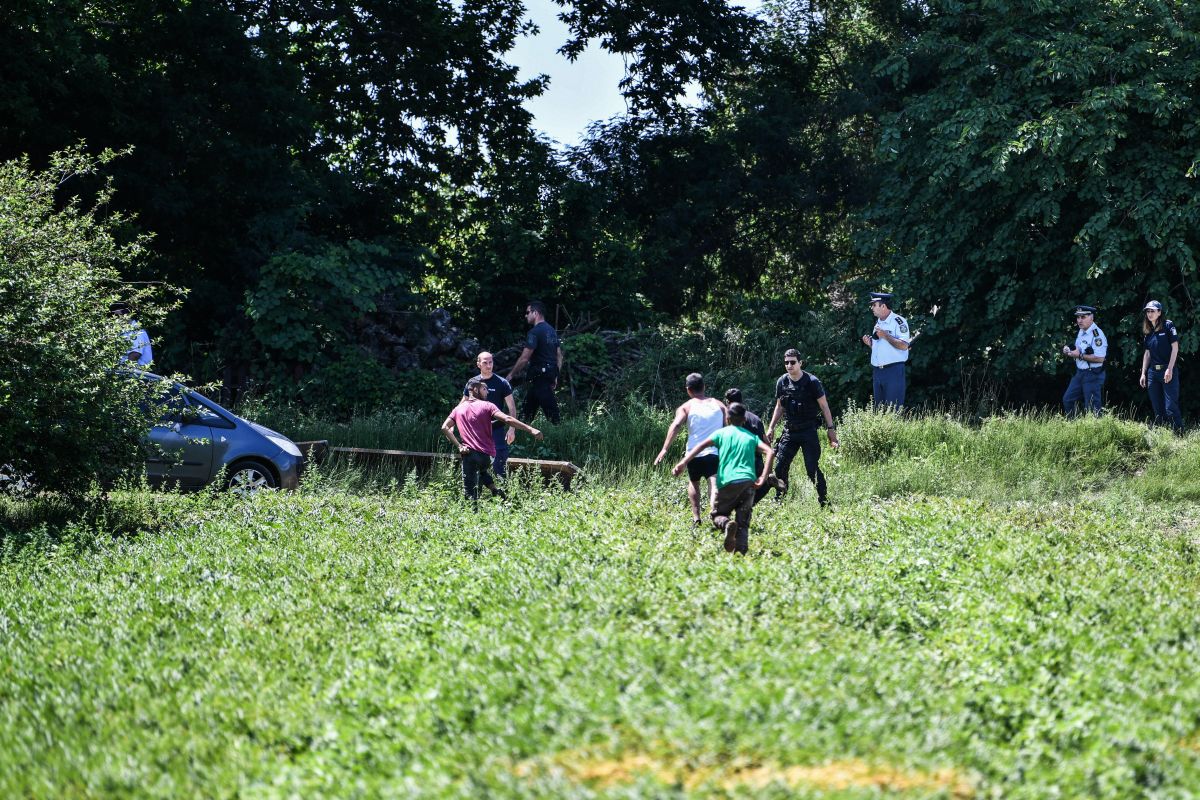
{"type": "Point", "coordinates": [563, 471]}
{"type": "Point", "coordinates": [313, 451]}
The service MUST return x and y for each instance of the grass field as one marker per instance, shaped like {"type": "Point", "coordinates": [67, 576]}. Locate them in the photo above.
{"type": "Point", "coordinates": [999, 611]}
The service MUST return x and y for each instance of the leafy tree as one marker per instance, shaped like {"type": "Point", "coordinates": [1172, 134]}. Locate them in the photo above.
{"type": "Point", "coordinates": [272, 141]}
{"type": "Point", "coordinates": [672, 45]}
{"type": "Point", "coordinates": [1035, 157]}
{"type": "Point", "coordinates": [67, 416]}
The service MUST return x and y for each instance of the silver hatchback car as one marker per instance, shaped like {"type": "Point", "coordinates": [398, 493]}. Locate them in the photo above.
{"type": "Point", "coordinates": [196, 440]}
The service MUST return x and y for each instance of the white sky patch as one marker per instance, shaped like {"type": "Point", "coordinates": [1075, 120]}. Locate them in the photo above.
{"type": "Point", "coordinates": [582, 92]}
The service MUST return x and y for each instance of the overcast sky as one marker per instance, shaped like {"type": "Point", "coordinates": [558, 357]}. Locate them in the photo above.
{"type": "Point", "coordinates": [579, 92]}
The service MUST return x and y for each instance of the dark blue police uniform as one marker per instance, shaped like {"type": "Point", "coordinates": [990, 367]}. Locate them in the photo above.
{"type": "Point", "coordinates": [1164, 397]}
{"type": "Point", "coordinates": [802, 415]}
{"type": "Point", "coordinates": [542, 372]}
{"type": "Point", "coordinates": [498, 389]}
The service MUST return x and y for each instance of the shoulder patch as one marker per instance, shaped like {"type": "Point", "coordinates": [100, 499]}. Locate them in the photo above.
{"type": "Point", "coordinates": [1099, 342]}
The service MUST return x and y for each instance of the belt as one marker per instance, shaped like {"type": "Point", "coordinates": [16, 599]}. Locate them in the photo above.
{"type": "Point", "coordinates": [893, 364]}
{"type": "Point", "coordinates": [1158, 367]}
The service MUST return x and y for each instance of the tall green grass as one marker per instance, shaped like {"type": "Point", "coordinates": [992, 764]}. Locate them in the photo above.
{"type": "Point", "coordinates": [1011, 456]}
{"type": "Point", "coordinates": [401, 643]}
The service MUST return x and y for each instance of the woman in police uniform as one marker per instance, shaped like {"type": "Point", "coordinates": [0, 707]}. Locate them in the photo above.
{"type": "Point", "coordinates": [1160, 350]}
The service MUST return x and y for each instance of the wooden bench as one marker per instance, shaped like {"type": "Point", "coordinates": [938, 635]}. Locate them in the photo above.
{"type": "Point", "coordinates": [561, 471]}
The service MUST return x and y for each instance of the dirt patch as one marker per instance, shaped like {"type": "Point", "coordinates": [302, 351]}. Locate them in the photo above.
{"type": "Point", "coordinates": [602, 771]}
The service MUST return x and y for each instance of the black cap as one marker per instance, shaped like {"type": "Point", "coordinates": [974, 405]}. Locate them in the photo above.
{"type": "Point", "coordinates": [1081, 310]}
{"type": "Point", "coordinates": [881, 297]}
{"type": "Point", "coordinates": [1153, 304]}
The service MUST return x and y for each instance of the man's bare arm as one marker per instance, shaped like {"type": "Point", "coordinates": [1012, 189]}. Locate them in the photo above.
{"type": "Point", "coordinates": [775, 415]}
{"type": "Point", "coordinates": [768, 460]}
{"type": "Point", "coordinates": [516, 423]}
{"type": "Point", "coordinates": [680, 417]}
{"type": "Point", "coordinates": [522, 360]}
{"type": "Point", "coordinates": [690, 454]}
{"type": "Point", "coordinates": [448, 432]}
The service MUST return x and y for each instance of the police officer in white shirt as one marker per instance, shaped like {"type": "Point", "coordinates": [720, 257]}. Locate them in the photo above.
{"type": "Point", "coordinates": [889, 352]}
{"type": "Point", "coordinates": [1091, 348]}
{"type": "Point", "coordinates": [139, 352]}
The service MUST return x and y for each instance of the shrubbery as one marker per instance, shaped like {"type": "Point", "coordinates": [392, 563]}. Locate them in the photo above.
{"type": "Point", "coordinates": [66, 418]}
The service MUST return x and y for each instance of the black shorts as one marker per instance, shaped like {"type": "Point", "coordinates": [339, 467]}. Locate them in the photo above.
{"type": "Point", "coordinates": [703, 467]}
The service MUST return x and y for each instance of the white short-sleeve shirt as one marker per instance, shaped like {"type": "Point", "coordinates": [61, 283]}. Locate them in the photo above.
{"type": "Point", "coordinates": [140, 340]}
{"type": "Point", "coordinates": [1094, 338]}
{"type": "Point", "coordinates": [883, 352]}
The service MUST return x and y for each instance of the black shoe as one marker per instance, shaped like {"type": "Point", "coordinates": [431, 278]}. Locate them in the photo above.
{"type": "Point", "coordinates": [781, 488]}
{"type": "Point", "coordinates": [731, 536]}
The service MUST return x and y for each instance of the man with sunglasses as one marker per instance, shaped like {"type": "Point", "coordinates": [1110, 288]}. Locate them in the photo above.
{"type": "Point", "coordinates": [1091, 348]}
{"type": "Point", "coordinates": [889, 343]}
{"type": "Point", "coordinates": [800, 401]}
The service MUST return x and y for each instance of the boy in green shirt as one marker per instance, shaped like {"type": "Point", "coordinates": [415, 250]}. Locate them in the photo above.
{"type": "Point", "coordinates": [736, 481]}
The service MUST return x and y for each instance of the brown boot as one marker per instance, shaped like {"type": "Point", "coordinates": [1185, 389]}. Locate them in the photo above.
{"type": "Point", "coordinates": [731, 536]}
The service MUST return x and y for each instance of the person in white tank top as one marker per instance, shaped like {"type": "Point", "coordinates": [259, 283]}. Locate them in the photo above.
{"type": "Point", "coordinates": [704, 416]}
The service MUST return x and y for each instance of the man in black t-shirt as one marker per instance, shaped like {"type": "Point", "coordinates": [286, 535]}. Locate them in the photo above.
{"type": "Point", "coordinates": [753, 423]}
{"type": "Point", "coordinates": [501, 396]}
{"type": "Point", "coordinates": [800, 400]}
{"type": "Point", "coordinates": [544, 356]}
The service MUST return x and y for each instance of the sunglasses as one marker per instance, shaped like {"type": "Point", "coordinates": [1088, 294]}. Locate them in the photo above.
{"type": "Point", "coordinates": [786, 363]}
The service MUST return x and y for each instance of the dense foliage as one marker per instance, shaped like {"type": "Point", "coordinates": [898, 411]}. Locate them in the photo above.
{"type": "Point", "coordinates": [1038, 157]}
{"type": "Point", "coordinates": [68, 415]}
{"type": "Point", "coordinates": [320, 176]}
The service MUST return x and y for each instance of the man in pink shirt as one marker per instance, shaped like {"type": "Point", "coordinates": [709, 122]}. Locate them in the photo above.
{"type": "Point", "coordinates": [473, 417]}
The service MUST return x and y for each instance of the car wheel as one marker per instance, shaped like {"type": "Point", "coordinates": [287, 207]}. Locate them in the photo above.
{"type": "Point", "coordinates": [248, 477]}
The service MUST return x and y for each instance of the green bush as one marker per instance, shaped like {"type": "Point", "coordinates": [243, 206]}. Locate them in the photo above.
{"type": "Point", "coordinates": [66, 416]}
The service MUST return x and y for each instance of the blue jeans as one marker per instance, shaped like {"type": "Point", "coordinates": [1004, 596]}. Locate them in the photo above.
{"type": "Point", "coordinates": [1085, 387]}
{"type": "Point", "coordinates": [888, 385]}
{"type": "Point", "coordinates": [1164, 398]}
{"type": "Point", "coordinates": [500, 462]}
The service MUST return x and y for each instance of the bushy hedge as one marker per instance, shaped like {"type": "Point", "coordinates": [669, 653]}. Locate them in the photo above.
{"type": "Point", "coordinates": [67, 416]}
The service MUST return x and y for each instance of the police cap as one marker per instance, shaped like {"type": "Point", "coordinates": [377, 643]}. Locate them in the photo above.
{"type": "Point", "coordinates": [881, 297]}
{"type": "Point", "coordinates": [1083, 310]}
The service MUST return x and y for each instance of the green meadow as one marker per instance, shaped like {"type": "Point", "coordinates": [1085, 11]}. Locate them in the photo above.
{"type": "Point", "coordinates": [1002, 610]}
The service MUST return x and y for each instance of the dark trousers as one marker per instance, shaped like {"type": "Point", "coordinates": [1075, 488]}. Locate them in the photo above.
{"type": "Point", "coordinates": [888, 384]}
{"type": "Point", "coordinates": [1085, 387]}
{"type": "Point", "coordinates": [737, 500]}
{"type": "Point", "coordinates": [541, 395]}
{"type": "Point", "coordinates": [805, 441]}
{"type": "Point", "coordinates": [1164, 398]}
{"type": "Point", "coordinates": [475, 473]}
{"type": "Point", "coordinates": [761, 491]}
{"type": "Point", "coordinates": [500, 462]}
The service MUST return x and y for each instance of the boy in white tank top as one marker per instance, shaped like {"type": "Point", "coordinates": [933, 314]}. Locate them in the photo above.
{"type": "Point", "coordinates": [704, 417]}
